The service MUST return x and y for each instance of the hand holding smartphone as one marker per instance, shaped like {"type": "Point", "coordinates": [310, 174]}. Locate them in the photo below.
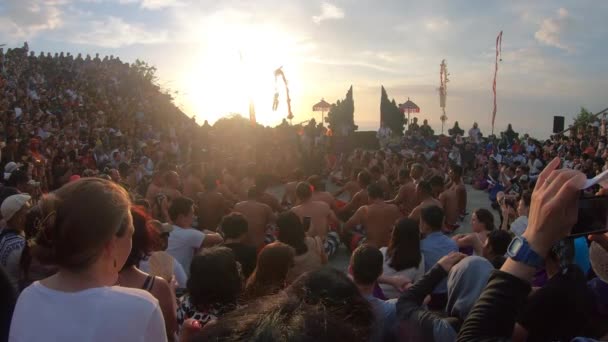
{"type": "Point", "coordinates": [592, 216]}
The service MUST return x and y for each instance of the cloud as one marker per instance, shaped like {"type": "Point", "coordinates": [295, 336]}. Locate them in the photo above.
{"type": "Point", "coordinates": [25, 18]}
{"type": "Point", "coordinates": [436, 24]}
{"type": "Point", "coordinates": [352, 63]}
{"type": "Point", "coordinates": [328, 11]}
{"type": "Point", "coordinates": [552, 29]}
{"type": "Point", "coordinates": [114, 32]}
{"type": "Point", "coordinates": [153, 4]}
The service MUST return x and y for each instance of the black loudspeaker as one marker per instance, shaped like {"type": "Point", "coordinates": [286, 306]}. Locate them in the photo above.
{"type": "Point", "coordinates": [558, 124]}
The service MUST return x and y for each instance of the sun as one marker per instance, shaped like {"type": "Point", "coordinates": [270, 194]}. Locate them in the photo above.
{"type": "Point", "coordinates": [235, 65]}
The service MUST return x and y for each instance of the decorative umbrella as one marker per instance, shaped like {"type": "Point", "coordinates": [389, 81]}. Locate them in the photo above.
{"type": "Point", "coordinates": [409, 107]}
{"type": "Point", "coordinates": [322, 107]}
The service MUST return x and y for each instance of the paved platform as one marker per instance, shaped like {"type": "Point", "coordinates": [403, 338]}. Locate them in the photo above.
{"type": "Point", "coordinates": [476, 199]}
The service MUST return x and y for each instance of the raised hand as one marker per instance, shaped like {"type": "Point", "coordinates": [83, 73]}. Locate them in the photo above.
{"type": "Point", "coordinates": [553, 210]}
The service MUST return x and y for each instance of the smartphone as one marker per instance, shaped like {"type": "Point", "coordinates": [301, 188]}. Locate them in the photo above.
{"type": "Point", "coordinates": [306, 221]}
{"type": "Point", "coordinates": [592, 216]}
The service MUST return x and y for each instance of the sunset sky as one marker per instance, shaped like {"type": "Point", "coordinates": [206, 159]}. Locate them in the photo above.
{"type": "Point", "coordinates": [219, 54]}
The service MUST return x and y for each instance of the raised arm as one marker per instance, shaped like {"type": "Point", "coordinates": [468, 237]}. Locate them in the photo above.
{"type": "Point", "coordinates": [553, 212]}
{"type": "Point", "coordinates": [409, 306]}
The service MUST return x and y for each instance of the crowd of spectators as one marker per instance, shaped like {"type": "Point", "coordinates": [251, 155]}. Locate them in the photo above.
{"type": "Point", "coordinates": [123, 220]}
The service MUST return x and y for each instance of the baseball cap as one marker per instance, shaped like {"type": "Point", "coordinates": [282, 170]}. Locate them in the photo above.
{"type": "Point", "coordinates": [12, 205]}
{"type": "Point", "coordinates": [9, 168]}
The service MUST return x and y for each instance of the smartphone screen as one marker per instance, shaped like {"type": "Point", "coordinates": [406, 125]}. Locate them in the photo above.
{"type": "Point", "coordinates": [306, 221]}
{"type": "Point", "coordinates": [592, 216]}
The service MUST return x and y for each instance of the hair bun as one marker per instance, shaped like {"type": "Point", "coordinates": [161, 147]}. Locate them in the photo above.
{"type": "Point", "coordinates": [43, 247]}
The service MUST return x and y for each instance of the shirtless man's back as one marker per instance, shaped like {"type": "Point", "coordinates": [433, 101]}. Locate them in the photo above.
{"type": "Point", "coordinates": [319, 212]}
{"type": "Point", "coordinates": [378, 218]}
{"type": "Point", "coordinates": [324, 196]}
{"type": "Point", "coordinates": [458, 188]}
{"type": "Point", "coordinates": [379, 178]}
{"type": "Point", "coordinates": [289, 196]}
{"type": "Point", "coordinates": [155, 187]}
{"type": "Point", "coordinates": [270, 201]}
{"type": "Point", "coordinates": [172, 183]}
{"type": "Point", "coordinates": [192, 186]}
{"type": "Point", "coordinates": [261, 184]}
{"type": "Point", "coordinates": [193, 183]}
{"type": "Point", "coordinates": [248, 181]}
{"type": "Point", "coordinates": [211, 206]}
{"type": "Point", "coordinates": [359, 199]}
{"type": "Point", "coordinates": [351, 187]}
{"type": "Point", "coordinates": [406, 197]}
{"type": "Point", "coordinates": [258, 216]}
{"type": "Point", "coordinates": [229, 180]}
{"type": "Point", "coordinates": [424, 193]}
{"type": "Point", "coordinates": [451, 208]}
{"type": "Point", "coordinates": [319, 193]}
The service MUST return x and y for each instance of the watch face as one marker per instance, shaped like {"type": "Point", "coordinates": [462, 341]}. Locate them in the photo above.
{"type": "Point", "coordinates": [515, 246]}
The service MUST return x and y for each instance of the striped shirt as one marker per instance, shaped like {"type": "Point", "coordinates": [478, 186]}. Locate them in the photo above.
{"type": "Point", "coordinates": [11, 246]}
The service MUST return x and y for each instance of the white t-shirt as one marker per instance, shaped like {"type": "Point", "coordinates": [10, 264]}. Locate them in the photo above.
{"type": "Point", "coordinates": [535, 166]}
{"type": "Point", "coordinates": [97, 314]}
{"type": "Point", "coordinates": [413, 274]}
{"type": "Point", "coordinates": [183, 243]}
{"type": "Point", "coordinates": [518, 227]}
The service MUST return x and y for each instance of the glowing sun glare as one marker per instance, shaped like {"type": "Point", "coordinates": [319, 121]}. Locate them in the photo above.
{"type": "Point", "coordinates": [236, 64]}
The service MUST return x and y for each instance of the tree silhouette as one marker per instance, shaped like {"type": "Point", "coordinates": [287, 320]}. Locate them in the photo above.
{"type": "Point", "coordinates": [341, 115]}
{"type": "Point", "coordinates": [390, 113]}
{"type": "Point", "coordinates": [145, 71]}
{"type": "Point", "coordinates": [584, 118]}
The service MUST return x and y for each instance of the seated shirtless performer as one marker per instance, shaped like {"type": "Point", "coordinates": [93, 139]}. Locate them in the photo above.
{"type": "Point", "coordinates": [319, 215]}
{"type": "Point", "coordinates": [406, 199]}
{"type": "Point", "coordinates": [424, 193]}
{"type": "Point", "coordinates": [289, 196]}
{"type": "Point", "coordinates": [258, 216]}
{"type": "Point", "coordinates": [379, 178]}
{"type": "Point", "coordinates": [372, 223]}
{"type": "Point", "coordinates": [211, 205]}
{"type": "Point", "coordinates": [172, 185]}
{"type": "Point", "coordinates": [360, 198]}
{"type": "Point", "coordinates": [455, 174]}
{"type": "Point", "coordinates": [351, 187]}
{"type": "Point", "coordinates": [194, 182]}
{"type": "Point", "coordinates": [319, 193]}
{"type": "Point", "coordinates": [262, 182]}
{"type": "Point", "coordinates": [452, 200]}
